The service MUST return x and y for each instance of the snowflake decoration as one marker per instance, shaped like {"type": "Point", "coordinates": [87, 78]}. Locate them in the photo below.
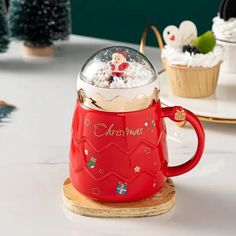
{"type": "Point", "coordinates": [96, 191]}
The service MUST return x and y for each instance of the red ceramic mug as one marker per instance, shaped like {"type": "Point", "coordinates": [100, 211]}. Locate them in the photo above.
{"type": "Point", "coordinates": [118, 147]}
{"type": "Point", "coordinates": [122, 157]}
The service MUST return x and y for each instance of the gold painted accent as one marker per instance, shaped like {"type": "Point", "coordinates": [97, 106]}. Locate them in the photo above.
{"type": "Point", "coordinates": [81, 95]}
{"type": "Point", "coordinates": [181, 123]}
{"type": "Point", "coordinates": [102, 129]}
{"type": "Point", "coordinates": [86, 152]}
{"type": "Point", "coordinates": [137, 169]}
{"type": "Point", "coordinates": [212, 119]}
{"type": "Point", "coordinates": [118, 103]}
{"type": "Point", "coordinates": [180, 115]}
{"type": "Point", "coordinates": [217, 120]}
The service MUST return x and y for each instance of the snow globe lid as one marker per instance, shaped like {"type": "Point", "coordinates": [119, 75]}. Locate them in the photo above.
{"type": "Point", "coordinates": [118, 79]}
{"type": "Point", "coordinates": [118, 67]}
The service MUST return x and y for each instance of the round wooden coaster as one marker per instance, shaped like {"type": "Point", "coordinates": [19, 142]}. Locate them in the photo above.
{"type": "Point", "coordinates": [39, 52]}
{"type": "Point", "coordinates": [157, 204]}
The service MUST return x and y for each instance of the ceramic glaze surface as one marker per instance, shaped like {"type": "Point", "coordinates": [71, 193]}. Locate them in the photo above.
{"type": "Point", "coordinates": [118, 149]}
{"type": "Point", "coordinates": [122, 157]}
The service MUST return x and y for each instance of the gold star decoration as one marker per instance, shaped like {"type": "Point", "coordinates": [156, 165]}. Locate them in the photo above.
{"type": "Point", "coordinates": [137, 169]}
{"type": "Point", "coordinates": [147, 150]}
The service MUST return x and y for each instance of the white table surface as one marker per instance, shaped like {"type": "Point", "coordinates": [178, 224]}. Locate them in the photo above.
{"type": "Point", "coordinates": [34, 146]}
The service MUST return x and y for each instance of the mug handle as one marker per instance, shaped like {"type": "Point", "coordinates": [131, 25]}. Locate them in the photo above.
{"type": "Point", "coordinates": [179, 114]}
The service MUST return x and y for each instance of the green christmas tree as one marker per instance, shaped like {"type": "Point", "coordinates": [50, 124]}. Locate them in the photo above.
{"type": "Point", "coordinates": [4, 36]}
{"type": "Point", "coordinates": [39, 22]}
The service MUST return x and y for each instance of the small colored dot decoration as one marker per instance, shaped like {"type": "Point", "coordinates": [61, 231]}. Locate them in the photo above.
{"type": "Point", "coordinates": [150, 124]}
{"type": "Point", "coordinates": [121, 188]}
{"type": "Point", "coordinates": [87, 122]}
{"type": "Point", "coordinates": [154, 183]}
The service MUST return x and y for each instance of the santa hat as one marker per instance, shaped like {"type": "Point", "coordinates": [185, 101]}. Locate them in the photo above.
{"type": "Point", "coordinates": [121, 53]}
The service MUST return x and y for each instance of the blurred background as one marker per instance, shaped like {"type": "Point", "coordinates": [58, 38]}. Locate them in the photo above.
{"type": "Point", "coordinates": [124, 20]}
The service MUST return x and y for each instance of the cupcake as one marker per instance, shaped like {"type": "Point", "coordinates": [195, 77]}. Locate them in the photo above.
{"type": "Point", "coordinates": [192, 63]}
{"type": "Point", "coordinates": [224, 29]}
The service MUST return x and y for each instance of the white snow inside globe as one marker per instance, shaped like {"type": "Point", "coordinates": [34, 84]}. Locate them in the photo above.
{"type": "Point", "coordinates": [118, 67]}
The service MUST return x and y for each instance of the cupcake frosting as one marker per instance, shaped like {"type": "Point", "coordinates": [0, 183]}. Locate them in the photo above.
{"type": "Point", "coordinates": [224, 30]}
{"type": "Point", "coordinates": [176, 56]}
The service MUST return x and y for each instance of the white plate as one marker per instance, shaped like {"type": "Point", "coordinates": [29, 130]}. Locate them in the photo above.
{"type": "Point", "coordinates": [219, 107]}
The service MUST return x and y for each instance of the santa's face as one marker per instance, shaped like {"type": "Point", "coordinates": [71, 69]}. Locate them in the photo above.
{"type": "Point", "coordinates": [117, 58]}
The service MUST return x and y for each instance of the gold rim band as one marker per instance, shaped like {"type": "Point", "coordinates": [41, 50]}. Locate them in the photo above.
{"type": "Point", "coordinates": [118, 103]}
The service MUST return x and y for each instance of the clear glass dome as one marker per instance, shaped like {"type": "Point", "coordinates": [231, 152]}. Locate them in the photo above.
{"type": "Point", "coordinates": [118, 67]}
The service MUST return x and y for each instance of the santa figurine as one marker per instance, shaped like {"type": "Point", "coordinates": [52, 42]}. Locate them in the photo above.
{"type": "Point", "coordinates": [118, 64]}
